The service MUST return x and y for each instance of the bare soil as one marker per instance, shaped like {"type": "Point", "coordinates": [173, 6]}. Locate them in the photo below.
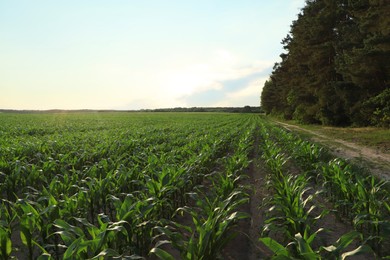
{"type": "Point", "coordinates": [247, 246]}
{"type": "Point", "coordinates": [377, 161]}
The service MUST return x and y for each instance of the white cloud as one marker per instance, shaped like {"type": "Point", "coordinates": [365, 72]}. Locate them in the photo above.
{"type": "Point", "coordinates": [195, 78]}
{"type": "Point", "coordinates": [248, 95]}
{"type": "Point", "coordinates": [199, 76]}
{"type": "Point", "coordinates": [250, 90]}
{"type": "Point", "coordinates": [224, 57]}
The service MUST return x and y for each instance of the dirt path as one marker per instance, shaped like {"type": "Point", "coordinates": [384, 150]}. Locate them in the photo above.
{"type": "Point", "coordinates": [257, 179]}
{"type": "Point", "coordinates": [377, 162]}
{"type": "Point", "coordinates": [246, 246]}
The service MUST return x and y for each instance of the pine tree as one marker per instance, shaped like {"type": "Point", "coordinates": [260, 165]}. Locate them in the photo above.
{"type": "Point", "coordinates": [336, 66]}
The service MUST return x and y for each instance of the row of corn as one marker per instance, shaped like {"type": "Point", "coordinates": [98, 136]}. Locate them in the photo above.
{"type": "Point", "coordinates": [361, 200]}
{"type": "Point", "coordinates": [88, 186]}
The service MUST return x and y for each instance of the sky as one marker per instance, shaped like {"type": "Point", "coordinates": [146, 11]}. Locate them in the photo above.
{"type": "Point", "coordinates": [139, 54]}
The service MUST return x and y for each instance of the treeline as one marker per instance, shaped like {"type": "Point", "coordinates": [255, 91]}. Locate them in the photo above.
{"type": "Point", "coordinates": [245, 109]}
{"type": "Point", "coordinates": [336, 67]}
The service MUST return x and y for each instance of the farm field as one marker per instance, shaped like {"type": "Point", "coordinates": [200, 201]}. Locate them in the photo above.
{"type": "Point", "coordinates": [180, 186]}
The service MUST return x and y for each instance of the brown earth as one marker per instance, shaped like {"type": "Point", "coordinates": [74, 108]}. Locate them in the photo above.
{"type": "Point", "coordinates": [247, 246]}
{"type": "Point", "coordinates": [376, 161]}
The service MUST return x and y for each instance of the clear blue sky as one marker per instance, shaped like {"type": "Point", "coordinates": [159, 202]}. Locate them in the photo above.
{"type": "Point", "coordinates": [134, 54]}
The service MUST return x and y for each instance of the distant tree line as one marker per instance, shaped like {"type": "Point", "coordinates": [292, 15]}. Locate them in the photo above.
{"type": "Point", "coordinates": [245, 109]}
{"type": "Point", "coordinates": [336, 67]}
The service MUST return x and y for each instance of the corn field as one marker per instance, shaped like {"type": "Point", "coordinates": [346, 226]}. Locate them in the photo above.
{"type": "Point", "coordinates": [170, 186]}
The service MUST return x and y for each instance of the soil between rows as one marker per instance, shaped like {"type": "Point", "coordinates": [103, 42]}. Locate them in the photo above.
{"type": "Point", "coordinates": [247, 245]}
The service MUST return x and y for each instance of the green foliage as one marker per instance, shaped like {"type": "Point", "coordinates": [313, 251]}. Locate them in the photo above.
{"type": "Point", "coordinates": [377, 109]}
{"type": "Point", "coordinates": [209, 234]}
{"type": "Point", "coordinates": [5, 243]}
{"type": "Point", "coordinates": [106, 186]}
{"type": "Point", "coordinates": [305, 251]}
{"type": "Point", "coordinates": [96, 185]}
{"type": "Point", "coordinates": [363, 200]}
{"type": "Point", "coordinates": [335, 66]}
{"type": "Point", "coordinates": [215, 214]}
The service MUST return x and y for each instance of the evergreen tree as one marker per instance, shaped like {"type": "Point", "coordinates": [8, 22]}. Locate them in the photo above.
{"type": "Point", "coordinates": [336, 66]}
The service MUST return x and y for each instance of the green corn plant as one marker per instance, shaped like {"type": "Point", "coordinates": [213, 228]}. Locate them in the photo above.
{"type": "Point", "coordinates": [107, 186]}
{"type": "Point", "coordinates": [229, 180]}
{"type": "Point", "coordinates": [7, 213]}
{"type": "Point", "coordinates": [76, 163]}
{"type": "Point", "coordinates": [226, 183]}
{"type": "Point", "coordinates": [361, 199]}
{"type": "Point", "coordinates": [290, 208]}
{"type": "Point", "coordinates": [301, 248]}
{"type": "Point", "coordinates": [211, 223]}
{"type": "Point", "coordinates": [337, 251]}
{"type": "Point", "coordinates": [370, 211]}
{"type": "Point", "coordinates": [96, 243]}
{"type": "Point", "coordinates": [139, 218]}
{"type": "Point", "coordinates": [306, 153]}
{"type": "Point", "coordinates": [92, 196]}
{"type": "Point", "coordinates": [354, 197]}
{"type": "Point", "coordinates": [275, 160]}
{"type": "Point", "coordinates": [338, 182]}
{"type": "Point", "coordinates": [5, 243]}
{"type": "Point", "coordinates": [14, 180]}
{"type": "Point", "coordinates": [161, 187]}
{"type": "Point", "coordinates": [7, 217]}
{"type": "Point", "coordinates": [31, 224]}
{"type": "Point", "coordinates": [50, 210]}
{"type": "Point", "coordinates": [67, 232]}
{"type": "Point", "coordinates": [36, 176]}
{"type": "Point", "coordinates": [70, 206]}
